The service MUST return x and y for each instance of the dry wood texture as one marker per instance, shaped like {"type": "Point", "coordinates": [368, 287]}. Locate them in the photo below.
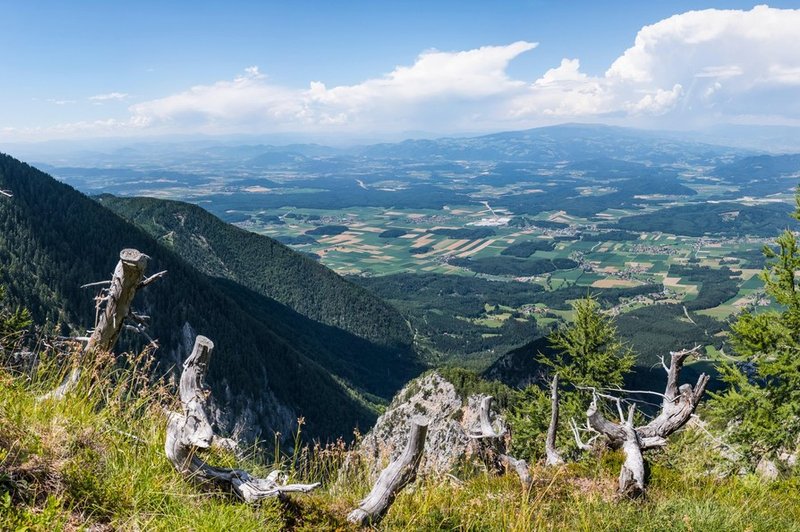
{"type": "Point", "coordinates": [394, 478]}
{"type": "Point", "coordinates": [190, 432]}
{"type": "Point", "coordinates": [113, 309]}
{"type": "Point", "coordinates": [677, 407]}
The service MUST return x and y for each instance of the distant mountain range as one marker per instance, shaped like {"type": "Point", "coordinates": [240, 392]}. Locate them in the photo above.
{"type": "Point", "coordinates": [543, 144]}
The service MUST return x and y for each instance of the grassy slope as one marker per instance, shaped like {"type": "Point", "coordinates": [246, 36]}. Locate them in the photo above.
{"type": "Point", "coordinates": [96, 458]}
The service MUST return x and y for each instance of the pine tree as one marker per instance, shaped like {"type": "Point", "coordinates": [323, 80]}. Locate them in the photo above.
{"type": "Point", "coordinates": [760, 408]}
{"type": "Point", "coordinates": [589, 352]}
{"type": "Point", "coordinates": [585, 353]}
{"type": "Point", "coordinates": [13, 322]}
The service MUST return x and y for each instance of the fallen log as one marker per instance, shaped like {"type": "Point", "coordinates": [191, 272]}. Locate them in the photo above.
{"type": "Point", "coordinates": [394, 478]}
{"type": "Point", "coordinates": [190, 432]}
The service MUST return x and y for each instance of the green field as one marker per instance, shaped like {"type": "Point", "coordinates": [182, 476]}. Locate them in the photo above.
{"type": "Point", "coordinates": [602, 264]}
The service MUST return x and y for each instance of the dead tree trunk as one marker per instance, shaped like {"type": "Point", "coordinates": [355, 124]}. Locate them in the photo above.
{"type": "Point", "coordinates": [394, 478]}
{"type": "Point", "coordinates": [128, 275]}
{"type": "Point", "coordinates": [487, 429]}
{"type": "Point", "coordinates": [190, 432]}
{"type": "Point", "coordinates": [631, 476]}
{"type": "Point", "coordinates": [553, 456]}
{"type": "Point", "coordinates": [677, 407]}
{"type": "Point", "coordinates": [492, 443]}
{"type": "Point", "coordinates": [113, 308]}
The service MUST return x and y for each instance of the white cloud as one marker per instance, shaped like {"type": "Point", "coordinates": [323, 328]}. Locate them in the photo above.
{"type": "Point", "coordinates": [712, 65]}
{"type": "Point", "coordinates": [111, 96]}
{"type": "Point", "coordinates": [691, 66]}
{"type": "Point", "coordinates": [657, 103]}
{"type": "Point", "coordinates": [403, 94]}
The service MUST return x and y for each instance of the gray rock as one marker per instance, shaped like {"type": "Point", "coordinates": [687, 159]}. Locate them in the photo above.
{"type": "Point", "coordinates": [451, 421]}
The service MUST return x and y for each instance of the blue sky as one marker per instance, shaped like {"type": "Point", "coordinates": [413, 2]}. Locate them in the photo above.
{"type": "Point", "coordinates": [83, 69]}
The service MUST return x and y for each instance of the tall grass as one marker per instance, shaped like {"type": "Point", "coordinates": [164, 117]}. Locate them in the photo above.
{"type": "Point", "coordinates": [96, 458]}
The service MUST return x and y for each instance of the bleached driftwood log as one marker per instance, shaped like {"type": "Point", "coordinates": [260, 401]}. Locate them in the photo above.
{"type": "Point", "coordinates": [190, 432]}
{"type": "Point", "coordinates": [394, 478]}
{"type": "Point", "coordinates": [677, 407]}
{"type": "Point", "coordinates": [113, 308]}
{"type": "Point", "coordinates": [553, 456]}
{"type": "Point", "coordinates": [492, 443]}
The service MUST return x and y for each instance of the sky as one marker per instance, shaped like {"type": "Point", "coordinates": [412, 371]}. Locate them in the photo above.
{"type": "Point", "coordinates": [94, 69]}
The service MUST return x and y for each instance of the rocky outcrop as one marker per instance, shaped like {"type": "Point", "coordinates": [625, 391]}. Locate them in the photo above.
{"type": "Point", "coordinates": [454, 421]}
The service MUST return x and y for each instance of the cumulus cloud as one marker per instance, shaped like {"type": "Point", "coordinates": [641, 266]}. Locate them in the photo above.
{"type": "Point", "coordinates": [721, 65]}
{"type": "Point", "coordinates": [247, 99]}
{"type": "Point", "coordinates": [403, 94]}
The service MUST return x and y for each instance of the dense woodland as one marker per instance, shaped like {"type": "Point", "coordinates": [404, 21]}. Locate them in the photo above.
{"type": "Point", "coordinates": [263, 265]}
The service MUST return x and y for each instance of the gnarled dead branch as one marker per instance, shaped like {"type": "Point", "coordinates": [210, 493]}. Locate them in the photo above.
{"type": "Point", "coordinates": [191, 431]}
{"type": "Point", "coordinates": [576, 432]}
{"type": "Point", "coordinates": [678, 405]}
{"type": "Point", "coordinates": [394, 478]}
{"type": "Point", "coordinates": [520, 467]}
{"type": "Point", "coordinates": [631, 475]}
{"type": "Point", "coordinates": [487, 430]}
{"type": "Point", "coordinates": [493, 445]}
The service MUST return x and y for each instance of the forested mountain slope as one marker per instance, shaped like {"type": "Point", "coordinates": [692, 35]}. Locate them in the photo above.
{"type": "Point", "coordinates": [54, 239]}
{"type": "Point", "coordinates": [263, 265]}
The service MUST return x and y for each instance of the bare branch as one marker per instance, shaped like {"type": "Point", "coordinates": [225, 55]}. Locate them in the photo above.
{"type": "Point", "coordinates": [98, 283]}
{"type": "Point", "coordinates": [394, 478]}
{"type": "Point", "coordinates": [578, 440]}
{"type": "Point", "coordinates": [152, 278]}
{"type": "Point", "coordinates": [487, 430]}
{"type": "Point", "coordinates": [520, 467]}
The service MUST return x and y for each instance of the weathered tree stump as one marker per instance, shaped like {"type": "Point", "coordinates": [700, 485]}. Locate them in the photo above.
{"type": "Point", "coordinates": [113, 309]}
{"type": "Point", "coordinates": [493, 447]}
{"type": "Point", "coordinates": [394, 478]}
{"type": "Point", "coordinates": [190, 432]}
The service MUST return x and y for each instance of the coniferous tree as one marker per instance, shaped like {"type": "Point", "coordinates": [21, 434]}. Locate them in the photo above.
{"type": "Point", "coordinates": [760, 408]}
{"type": "Point", "coordinates": [585, 353]}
